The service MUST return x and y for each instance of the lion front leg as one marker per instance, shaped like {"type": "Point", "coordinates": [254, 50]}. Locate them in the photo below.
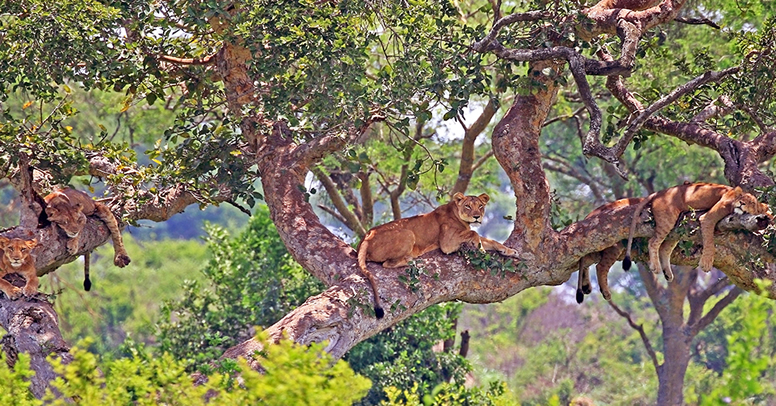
{"type": "Point", "coordinates": [31, 287]}
{"type": "Point", "coordinates": [11, 291]}
{"type": "Point", "coordinates": [72, 245]}
{"type": "Point", "coordinates": [708, 223]}
{"type": "Point", "coordinates": [450, 241]}
{"type": "Point", "coordinates": [492, 245]}
{"type": "Point", "coordinates": [121, 258]}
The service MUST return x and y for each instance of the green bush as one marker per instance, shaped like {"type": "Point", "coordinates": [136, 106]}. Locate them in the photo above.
{"type": "Point", "coordinates": [251, 280]}
{"type": "Point", "coordinates": [143, 379]}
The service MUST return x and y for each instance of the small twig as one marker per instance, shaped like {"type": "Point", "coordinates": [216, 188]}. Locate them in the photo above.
{"type": "Point", "coordinates": [208, 60]}
{"type": "Point", "coordinates": [716, 108]}
{"type": "Point", "coordinates": [563, 117]}
{"type": "Point", "coordinates": [697, 21]}
{"type": "Point", "coordinates": [482, 160]}
{"type": "Point", "coordinates": [239, 207]}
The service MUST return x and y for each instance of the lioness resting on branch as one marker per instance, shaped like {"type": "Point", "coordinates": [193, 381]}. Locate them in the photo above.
{"type": "Point", "coordinates": [447, 228]}
{"type": "Point", "coordinates": [17, 258]}
{"type": "Point", "coordinates": [605, 258]}
{"type": "Point", "coordinates": [668, 204]}
{"type": "Point", "coordinates": [68, 208]}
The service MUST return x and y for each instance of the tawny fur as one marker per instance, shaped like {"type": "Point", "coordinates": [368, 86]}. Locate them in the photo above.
{"type": "Point", "coordinates": [16, 258]}
{"type": "Point", "coordinates": [668, 204]}
{"type": "Point", "coordinates": [68, 209]}
{"type": "Point", "coordinates": [394, 244]}
{"type": "Point", "coordinates": [603, 259]}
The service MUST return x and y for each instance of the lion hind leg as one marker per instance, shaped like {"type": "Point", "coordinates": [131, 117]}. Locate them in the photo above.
{"type": "Point", "coordinates": [608, 258]}
{"type": "Point", "coordinates": [398, 262]}
{"type": "Point", "coordinates": [583, 282]}
{"type": "Point", "coordinates": [121, 258]}
{"type": "Point", "coordinates": [666, 248]}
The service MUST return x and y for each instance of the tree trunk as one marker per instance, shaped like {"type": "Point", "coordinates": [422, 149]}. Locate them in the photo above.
{"type": "Point", "coordinates": [33, 328]}
{"type": "Point", "coordinates": [670, 375]}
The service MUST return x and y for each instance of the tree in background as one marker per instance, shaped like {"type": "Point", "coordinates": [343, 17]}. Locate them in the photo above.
{"type": "Point", "coordinates": [271, 91]}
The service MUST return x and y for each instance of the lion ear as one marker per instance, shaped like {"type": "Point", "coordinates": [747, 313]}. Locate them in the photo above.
{"type": "Point", "coordinates": [32, 243]}
{"type": "Point", "coordinates": [484, 198]}
{"type": "Point", "coordinates": [4, 240]}
{"type": "Point", "coordinates": [738, 190]}
{"type": "Point", "coordinates": [458, 197]}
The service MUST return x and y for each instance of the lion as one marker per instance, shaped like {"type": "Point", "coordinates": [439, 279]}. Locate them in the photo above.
{"type": "Point", "coordinates": [604, 259]}
{"type": "Point", "coordinates": [17, 259]}
{"type": "Point", "coordinates": [668, 204]}
{"type": "Point", "coordinates": [68, 209]}
{"type": "Point", "coordinates": [394, 244]}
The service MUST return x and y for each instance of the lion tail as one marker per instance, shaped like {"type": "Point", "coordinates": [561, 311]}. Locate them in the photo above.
{"type": "Point", "coordinates": [87, 281]}
{"type": "Point", "coordinates": [362, 250]}
{"type": "Point", "coordinates": [626, 262]}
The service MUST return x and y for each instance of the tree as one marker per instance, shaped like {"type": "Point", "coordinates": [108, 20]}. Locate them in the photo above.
{"type": "Point", "coordinates": [272, 91]}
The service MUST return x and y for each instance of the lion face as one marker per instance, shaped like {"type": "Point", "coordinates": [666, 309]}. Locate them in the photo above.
{"type": "Point", "coordinates": [17, 250]}
{"type": "Point", "coordinates": [471, 209]}
{"type": "Point", "coordinates": [747, 203]}
{"type": "Point", "coordinates": [70, 218]}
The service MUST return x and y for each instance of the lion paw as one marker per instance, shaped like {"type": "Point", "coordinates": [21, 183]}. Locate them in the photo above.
{"type": "Point", "coordinates": [706, 264]}
{"type": "Point", "coordinates": [29, 291]}
{"type": "Point", "coordinates": [121, 260]}
{"type": "Point", "coordinates": [14, 294]}
{"type": "Point", "coordinates": [510, 253]}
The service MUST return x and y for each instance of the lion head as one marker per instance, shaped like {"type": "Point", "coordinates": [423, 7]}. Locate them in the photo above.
{"type": "Point", "coordinates": [17, 250]}
{"type": "Point", "coordinates": [69, 217]}
{"type": "Point", "coordinates": [471, 209]}
{"type": "Point", "coordinates": [747, 203]}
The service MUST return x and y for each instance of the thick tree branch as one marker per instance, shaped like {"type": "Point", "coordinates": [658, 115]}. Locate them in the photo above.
{"type": "Point", "coordinates": [33, 328]}
{"type": "Point", "coordinates": [367, 203]}
{"type": "Point", "coordinates": [466, 167]}
{"type": "Point", "coordinates": [697, 298]}
{"type": "Point", "coordinates": [741, 159]}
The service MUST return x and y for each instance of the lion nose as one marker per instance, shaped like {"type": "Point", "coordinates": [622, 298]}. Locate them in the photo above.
{"type": "Point", "coordinates": [476, 217]}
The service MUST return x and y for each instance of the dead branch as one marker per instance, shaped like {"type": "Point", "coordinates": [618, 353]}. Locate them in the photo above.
{"type": "Point", "coordinates": [640, 329]}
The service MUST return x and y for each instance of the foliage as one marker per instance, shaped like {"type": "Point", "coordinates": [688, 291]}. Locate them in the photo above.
{"type": "Point", "coordinates": [144, 379]}
{"type": "Point", "coordinates": [251, 280]}
{"type": "Point", "coordinates": [14, 382]}
{"type": "Point", "coordinates": [403, 357]}
{"type": "Point", "coordinates": [749, 356]}
{"type": "Point", "coordinates": [123, 301]}
{"type": "Point", "coordinates": [446, 394]}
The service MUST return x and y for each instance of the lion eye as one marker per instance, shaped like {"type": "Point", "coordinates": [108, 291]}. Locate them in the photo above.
{"type": "Point", "coordinates": [468, 207]}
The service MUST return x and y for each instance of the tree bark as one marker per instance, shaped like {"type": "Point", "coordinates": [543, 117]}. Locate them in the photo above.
{"type": "Point", "coordinates": [33, 328]}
